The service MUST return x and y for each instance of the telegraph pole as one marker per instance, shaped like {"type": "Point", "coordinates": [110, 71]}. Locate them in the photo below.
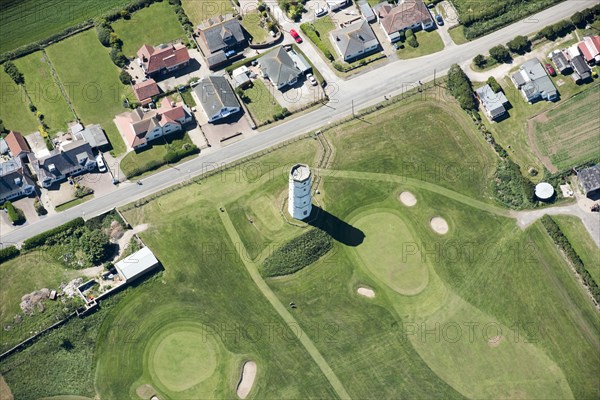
{"type": "Point", "coordinates": [353, 116]}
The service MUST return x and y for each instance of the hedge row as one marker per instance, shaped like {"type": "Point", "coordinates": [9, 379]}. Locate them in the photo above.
{"type": "Point", "coordinates": [42, 238]}
{"type": "Point", "coordinates": [563, 243]}
{"type": "Point", "coordinates": [315, 37]}
{"type": "Point", "coordinates": [298, 253]}
{"type": "Point", "coordinates": [170, 157]}
{"type": "Point", "coordinates": [8, 252]}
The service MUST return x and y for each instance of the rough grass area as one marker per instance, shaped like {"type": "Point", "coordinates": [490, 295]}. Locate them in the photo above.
{"type": "Point", "coordinates": [260, 102]}
{"type": "Point", "coordinates": [429, 43]}
{"type": "Point", "coordinates": [251, 22]}
{"type": "Point", "coordinates": [14, 109]}
{"type": "Point", "coordinates": [27, 21]}
{"type": "Point", "coordinates": [94, 86]}
{"type": "Point", "coordinates": [568, 136]}
{"type": "Point", "coordinates": [44, 91]}
{"type": "Point", "coordinates": [581, 241]}
{"type": "Point", "coordinates": [151, 25]}
{"type": "Point", "coordinates": [199, 10]}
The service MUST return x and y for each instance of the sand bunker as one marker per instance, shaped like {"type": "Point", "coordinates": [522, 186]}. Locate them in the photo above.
{"type": "Point", "coordinates": [408, 199]}
{"type": "Point", "coordinates": [439, 225]}
{"type": "Point", "coordinates": [495, 341]}
{"type": "Point", "coordinates": [363, 291]}
{"type": "Point", "coordinates": [247, 379]}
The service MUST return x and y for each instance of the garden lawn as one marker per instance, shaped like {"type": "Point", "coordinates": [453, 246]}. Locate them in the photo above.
{"type": "Point", "coordinates": [27, 21]}
{"type": "Point", "coordinates": [323, 26]}
{"type": "Point", "coordinates": [152, 25]}
{"type": "Point", "coordinates": [251, 22]}
{"type": "Point", "coordinates": [261, 103]}
{"type": "Point", "coordinates": [199, 10]}
{"type": "Point", "coordinates": [457, 33]}
{"type": "Point", "coordinates": [429, 43]}
{"type": "Point", "coordinates": [97, 93]}
{"type": "Point", "coordinates": [580, 239]}
{"type": "Point", "coordinates": [14, 109]}
{"type": "Point", "coordinates": [44, 91]}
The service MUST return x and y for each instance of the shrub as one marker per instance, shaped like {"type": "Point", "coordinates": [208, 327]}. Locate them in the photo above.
{"type": "Point", "coordinates": [115, 41]}
{"type": "Point", "coordinates": [519, 45]}
{"type": "Point", "coordinates": [125, 77]}
{"type": "Point", "coordinates": [412, 42]}
{"type": "Point", "coordinates": [32, 107]}
{"type": "Point", "coordinates": [175, 2]}
{"type": "Point", "coordinates": [500, 53]}
{"type": "Point", "coordinates": [42, 238]}
{"type": "Point", "coordinates": [39, 207]}
{"type": "Point", "coordinates": [494, 84]}
{"type": "Point", "coordinates": [104, 35]}
{"type": "Point", "coordinates": [511, 187]}
{"type": "Point", "coordinates": [461, 89]}
{"type": "Point", "coordinates": [93, 243]}
{"type": "Point", "coordinates": [117, 57]}
{"type": "Point", "coordinates": [15, 215]}
{"type": "Point", "coordinates": [14, 73]}
{"type": "Point", "coordinates": [298, 253]}
{"type": "Point", "coordinates": [315, 37]}
{"type": "Point", "coordinates": [8, 253]}
{"type": "Point", "coordinates": [479, 61]}
{"type": "Point", "coordinates": [124, 14]}
{"type": "Point", "coordinates": [83, 191]}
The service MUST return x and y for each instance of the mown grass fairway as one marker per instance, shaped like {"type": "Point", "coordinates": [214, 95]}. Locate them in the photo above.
{"type": "Point", "coordinates": [566, 135]}
{"type": "Point", "coordinates": [136, 32]}
{"type": "Point", "coordinates": [581, 241]}
{"type": "Point", "coordinates": [14, 106]}
{"type": "Point", "coordinates": [26, 21]}
{"type": "Point", "coordinates": [44, 91]}
{"type": "Point", "coordinates": [94, 86]}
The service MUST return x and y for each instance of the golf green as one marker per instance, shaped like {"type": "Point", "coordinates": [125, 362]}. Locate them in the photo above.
{"type": "Point", "coordinates": [400, 266]}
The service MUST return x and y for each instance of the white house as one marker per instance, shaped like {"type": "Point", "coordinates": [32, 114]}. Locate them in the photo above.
{"type": "Point", "coordinates": [216, 97]}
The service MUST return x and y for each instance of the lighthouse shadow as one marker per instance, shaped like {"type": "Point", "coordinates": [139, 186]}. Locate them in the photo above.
{"type": "Point", "coordinates": [340, 230]}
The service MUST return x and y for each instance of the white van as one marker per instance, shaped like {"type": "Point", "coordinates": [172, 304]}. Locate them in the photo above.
{"type": "Point", "coordinates": [100, 163]}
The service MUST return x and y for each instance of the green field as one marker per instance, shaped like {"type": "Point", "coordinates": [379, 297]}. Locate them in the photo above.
{"type": "Point", "coordinates": [14, 110]}
{"type": "Point", "coordinates": [44, 91]}
{"type": "Point", "coordinates": [151, 25]}
{"type": "Point", "coordinates": [199, 10]}
{"type": "Point", "coordinates": [581, 241]}
{"type": "Point", "coordinates": [567, 138]}
{"type": "Point", "coordinates": [486, 310]}
{"type": "Point", "coordinates": [27, 21]}
{"type": "Point", "coordinates": [97, 93]}
{"type": "Point", "coordinates": [429, 43]}
{"type": "Point", "coordinates": [261, 103]}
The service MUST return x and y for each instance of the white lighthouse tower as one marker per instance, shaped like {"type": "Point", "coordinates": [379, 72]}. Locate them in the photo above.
{"type": "Point", "coordinates": [300, 197]}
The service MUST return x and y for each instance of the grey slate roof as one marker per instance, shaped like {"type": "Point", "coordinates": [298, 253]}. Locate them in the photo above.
{"type": "Point", "coordinates": [74, 156]}
{"type": "Point", "coordinates": [215, 93]}
{"type": "Point", "coordinates": [221, 32]}
{"type": "Point", "coordinates": [560, 61]}
{"type": "Point", "coordinates": [589, 178]}
{"type": "Point", "coordinates": [13, 177]}
{"type": "Point", "coordinates": [492, 102]}
{"type": "Point", "coordinates": [581, 67]}
{"type": "Point", "coordinates": [353, 38]}
{"type": "Point", "coordinates": [367, 12]}
{"type": "Point", "coordinates": [279, 67]}
{"type": "Point", "coordinates": [94, 135]}
{"type": "Point", "coordinates": [533, 80]}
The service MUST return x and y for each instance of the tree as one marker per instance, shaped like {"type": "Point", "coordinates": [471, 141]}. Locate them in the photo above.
{"type": "Point", "coordinates": [104, 35]}
{"type": "Point", "coordinates": [125, 77]}
{"type": "Point", "coordinates": [93, 243]}
{"type": "Point", "coordinates": [479, 60]}
{"type": "Point", "coordinates": [519, 45]}
{"type": "Point", "coordinates": [579, 20]}
{"type": "Point", "coordinates": [12, 71]}
{"type": "Point", "coordinates": [117, 57]}
{"type": "Point", "coordinates": [494, 84]}
{"type": "Point", "coordinates": [115, 41]}
{"type": "Point", "coordinates": [461, 89]}
{"type": "Point", "coordinates": [500, 53]}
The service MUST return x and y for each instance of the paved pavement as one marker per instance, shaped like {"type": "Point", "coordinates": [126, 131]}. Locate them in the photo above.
{"type": "Point", "coordinates": [362, 91]}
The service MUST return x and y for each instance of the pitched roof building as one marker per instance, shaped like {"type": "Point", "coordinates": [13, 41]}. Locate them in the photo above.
{"type": "Point", "coordinates": [71, 159]}
{"type": "Point", "coordinates": [163, 58]}
{"type": "Point", "coordinates": [354, 40]}
{"type": "Point", "coordinates": [15, 180]}
{"type": "Point", "coordinates": [216, 97]}
{"type": "Point", "coordinates": [560, 62]}
{"type": "Point", "coordinates": [218, 35]}
{"type": "Point", "coordinates": [409, 14]}
{"type": "Point", "coordinates": [534, 82]}
{"type": "Point", "coordinates": [493, 103]}
{"type": "Point", "coordinates": [94, 135]}
{"type": "Point", "coordinates": [138, 127]}
{"type": "Point", "coordinates": [581, 71]}
{"type": "Point", "coordinates": [279, 68]}
{"type": "Point", "coordinates": [590, 48]}
{"type": "Point", "coordinates": [17, 145]}
{"type": "Point", "coordinates": [589, 180]}
{"type": "Point", "coordinates": [144, 91]}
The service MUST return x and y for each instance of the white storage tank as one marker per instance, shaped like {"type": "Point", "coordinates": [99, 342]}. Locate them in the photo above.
{"type": "Point", "coordinates": [300, 196]}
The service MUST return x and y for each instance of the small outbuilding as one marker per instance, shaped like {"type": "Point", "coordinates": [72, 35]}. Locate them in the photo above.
{"type": "Point", "coordinates": [589, 181]}
{"type": "Point", "coordinates": [137, 264]}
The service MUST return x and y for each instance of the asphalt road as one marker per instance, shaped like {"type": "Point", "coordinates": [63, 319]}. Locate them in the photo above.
{"type": "Point", "coordinates": [364, 90]}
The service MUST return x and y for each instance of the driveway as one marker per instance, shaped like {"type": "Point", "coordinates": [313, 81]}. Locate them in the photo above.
{"type": "Point", "coordinates": [216, 133]}
{"type": "Point", "coordinates": [26, 205]}
{"type": "Point", "coordinates": [298, 96]}
{"type": "Point", "coordinates": [196, 69]}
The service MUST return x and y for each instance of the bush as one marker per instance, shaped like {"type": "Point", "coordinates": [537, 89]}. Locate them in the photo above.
{"type": "Point", "coordinates": [494, 84]}
{"type": "Point", "coordinates": [39, 207]}
{"type": "Point", "coordinates": [461, 89]}
{"type": "Point", "coordinates": [412, 42]}
{"type": "Point", "coordinates": [315, 37]}
{"type": "Point", "coordinates": [298, 253]}
{"type": "Point", "coordinates": [511, 187]}
{"type": "Point", "coordinates": [125, 77]}
{"type": "Point", "coordinates": [172, 156]}
{"type": "Point", "coordinates": [551, 32]}
{"type": "Point", "coordinates": [115, 41]}
{"type": "Point", "coordinates": [42, 238]}
{"type": "Point", "coordinates": [479, 61]}
{"type": "Point", "coordinates": [15, 215]}
{"type": "Point", "coordinates": [8, 253]}
{"type": "Point", "coordinates": [519, 45]}
{"type": "Point", "coordinates": [118, 58]}
{"type": "Point", "coordinates": [93, 243]}
{"type": "Point", "coordinates": [14, 73]}
{"type": "Point", "coordinates": [500, 53]}
{"type": "Point", "coordinates": [104, 32]}
{"type": "Point", "coordinates": [83, 191]}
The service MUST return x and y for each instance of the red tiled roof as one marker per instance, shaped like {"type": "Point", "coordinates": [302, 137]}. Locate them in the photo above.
{"type": "Point", "coordinates": [16, 143]}
{"type": "Point", "coordinates": [145, 90]}
{"type": "Point", "coordinates": [590, 47]}
{"type": "Point", "coordinates": [157, 58]}
{"type": "Point", "coordinates": [173, 112]}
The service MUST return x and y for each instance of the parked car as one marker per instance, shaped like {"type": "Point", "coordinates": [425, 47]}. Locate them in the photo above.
{"type": "Point", "coordinates": [230, 53]}
{"type": "Point", "coordinates": [311, 79]}
{"type": "Point", "coordinates": [319, 12]}
{"type": "Point", "coordinates": [439, 19]}
{"type": "Point", "coordinates": [295, 36]}
{"type": "Point", "coordinates": [550, 70]}
{"type": "Point", "coordinates": [100, 163]}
